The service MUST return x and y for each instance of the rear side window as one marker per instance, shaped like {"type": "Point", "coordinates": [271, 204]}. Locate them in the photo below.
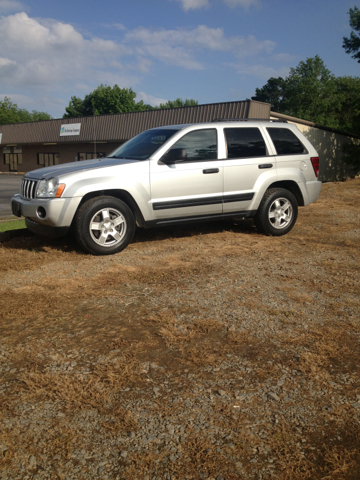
{"type": "Point", "coordinates": [244, 142]}
{"type": "Point", "coordinates": [286, 142]}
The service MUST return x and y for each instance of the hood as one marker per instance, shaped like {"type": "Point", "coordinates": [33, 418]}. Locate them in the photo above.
{"type": "Point", "coordinates": [68, 168]}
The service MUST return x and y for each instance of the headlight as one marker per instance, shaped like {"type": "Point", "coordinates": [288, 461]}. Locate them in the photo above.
{"type": "Point", "coordinates": [50, 188]}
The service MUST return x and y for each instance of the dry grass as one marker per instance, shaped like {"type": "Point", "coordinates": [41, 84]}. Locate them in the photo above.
{"type": "Point", "coordinates": [134, 322]}
{"type": "Point", "coordinates": [100, 390]}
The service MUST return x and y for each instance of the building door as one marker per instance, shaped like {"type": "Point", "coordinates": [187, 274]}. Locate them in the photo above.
{"type": "Point", "coordinates": [13, 159]}
{"type": "Point", "coordinates": [13, 162]}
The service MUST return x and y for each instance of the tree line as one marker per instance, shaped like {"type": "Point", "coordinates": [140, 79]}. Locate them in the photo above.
{"type": "Point", "coordinates": [106, 99]}
{"type": "Point", "coordinates": [11, 113]}
{"type": "Point", "coordinates": [313, 93]}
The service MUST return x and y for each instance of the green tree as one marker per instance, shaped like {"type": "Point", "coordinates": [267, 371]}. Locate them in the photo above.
{"type": "Point", "coordinates": [179, 103]}
{"type": "Point", "coordinates": [10, 113]}
{"type": "Point", "coordinates": [348, 93]}
{"type": "Point", "coordinates": [75, 108]}
{"type": "Point", "coordinates": [308, 92]}
{"type": "Point", "coordinates": [274, 92]}
{"type": "Point", "coordinates": [352, 43]}
{"type": "Point", "coordinates": [350, 90]}
{"type": "Point", "coordinates": [311, 93]}
{"type": "Point", "coordinates": [105, 99]}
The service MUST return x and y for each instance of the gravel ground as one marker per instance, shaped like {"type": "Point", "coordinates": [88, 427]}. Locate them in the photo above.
{"type": "Point", "coordinates": [205, 352]}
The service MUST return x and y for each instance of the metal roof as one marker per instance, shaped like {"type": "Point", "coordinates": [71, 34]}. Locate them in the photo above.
{"type": "Point", "coordinates": [122, 126]}
{"type": "Point", "coordinates": [288, 118]}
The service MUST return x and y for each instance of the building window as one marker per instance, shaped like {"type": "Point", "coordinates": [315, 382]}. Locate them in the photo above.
{"type": "Point", "coordinates": [48, 159]}
{"type": "Point", "coordinates": [90, 155]}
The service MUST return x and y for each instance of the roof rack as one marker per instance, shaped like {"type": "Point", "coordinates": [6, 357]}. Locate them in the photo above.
{"type": "Point", "coordinates": [248, 120]}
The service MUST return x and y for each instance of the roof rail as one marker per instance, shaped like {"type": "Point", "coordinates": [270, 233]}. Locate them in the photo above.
{"type": "Point", "coordinates": [248, 120]}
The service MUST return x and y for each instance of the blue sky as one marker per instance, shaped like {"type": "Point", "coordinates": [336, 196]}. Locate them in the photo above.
{"type": "Point", "coordinates": [209, 50]}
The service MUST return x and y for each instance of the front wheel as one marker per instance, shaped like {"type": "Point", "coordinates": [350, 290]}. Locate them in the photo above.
{"type": "Point", "coordinates": [104, 225]}
{"type": "Point", "coordinates": [277, 212]}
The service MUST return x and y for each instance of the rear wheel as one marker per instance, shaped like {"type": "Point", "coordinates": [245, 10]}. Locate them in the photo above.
{"type": "Point", "coordinates": [277, 212]}
{"type": "Point", "coordinates": [104, 225]}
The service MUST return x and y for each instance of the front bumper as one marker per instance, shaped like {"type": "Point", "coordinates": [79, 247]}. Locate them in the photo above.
{"type": "Point", "coordinates": [45, 230]}
{"type": "Point", "coordinates": [49, 212]}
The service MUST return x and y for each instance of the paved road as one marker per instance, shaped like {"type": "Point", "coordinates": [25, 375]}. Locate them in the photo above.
{"type": "Point", "coordinates": [9, 185]}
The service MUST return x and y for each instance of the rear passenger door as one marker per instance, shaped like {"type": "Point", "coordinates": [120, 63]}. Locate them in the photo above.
{"type": "Point", "coordinates": [246, 159]}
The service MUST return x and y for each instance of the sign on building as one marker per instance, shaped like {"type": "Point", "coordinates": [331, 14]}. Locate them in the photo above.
{"type": "Point", "coordinates": [70, 129]}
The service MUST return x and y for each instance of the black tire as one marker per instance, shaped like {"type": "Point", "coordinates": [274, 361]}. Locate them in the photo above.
{"type": "Point", "coordinates": [277, 212]}
{"type": "Point", "coordinates": [113, 222]}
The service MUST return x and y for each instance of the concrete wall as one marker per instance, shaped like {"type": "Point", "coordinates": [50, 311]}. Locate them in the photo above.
{"type": "Point", "coordinates": [329, 145]}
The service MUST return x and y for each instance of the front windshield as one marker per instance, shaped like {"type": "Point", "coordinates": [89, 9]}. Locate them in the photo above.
{"type": "Point", "coordinates": [143, 145]}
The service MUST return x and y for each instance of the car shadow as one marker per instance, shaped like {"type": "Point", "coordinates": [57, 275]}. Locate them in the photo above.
{"type": "Point", "coordinates": [26, 240]}
{"type": "Point", "coordinates": [191, 230]}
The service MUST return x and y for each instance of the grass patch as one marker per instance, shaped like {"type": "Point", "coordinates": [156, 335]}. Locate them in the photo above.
{"type": "Point", "coordinates": [12, 225]}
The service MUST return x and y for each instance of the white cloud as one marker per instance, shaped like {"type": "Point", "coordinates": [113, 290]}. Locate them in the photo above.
{"type": "Point", "coordinates": [39, 102]}
{"type": "Point", "coordinates": [260, 70]}
{"type": "Point", "coordinates": [284, 57]}
{"type": "Point", "coordinates": [53, 53]}
{"type": "Point", "coordinates": [150, 99]}
{"type": "Point", "coordinates": [7, 6]}
{"type": "Point", "coordinates": [119, 26]}
{"type": "Point", "coordinates": [4, 62]}
{"type": "Point", "coordinates": [242, 3]}
{"type": "Point", "coordinates": [51, 59]}
{"type": "Point", "coordinates": [196, 4]}
{"type": "Point", "coordinates": [179, 47]}
{"type": "Point", "coordinates": [193, 4]}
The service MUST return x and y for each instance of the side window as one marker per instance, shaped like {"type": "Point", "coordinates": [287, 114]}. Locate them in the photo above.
{"type": "Point", "coordinates": [244, 143]}
{"type": "Point", "coordinates": [285, 141]}
{"type": "Point", "coordinates": [199, 145]}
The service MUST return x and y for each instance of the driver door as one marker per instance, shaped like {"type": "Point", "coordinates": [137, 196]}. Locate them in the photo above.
{"type": "Point", "coordinates": [191, 184]}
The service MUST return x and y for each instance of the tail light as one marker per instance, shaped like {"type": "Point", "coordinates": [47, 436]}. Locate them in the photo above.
{"type": "Point", "coordinates": [316, 165]}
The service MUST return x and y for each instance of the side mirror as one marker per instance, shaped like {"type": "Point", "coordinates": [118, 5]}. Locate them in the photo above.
{"type": "Point", "coordinates": [174, 155]}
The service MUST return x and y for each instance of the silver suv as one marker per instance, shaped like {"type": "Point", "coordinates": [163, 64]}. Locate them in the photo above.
{"type": "Point", "coordinates": [175, 175]}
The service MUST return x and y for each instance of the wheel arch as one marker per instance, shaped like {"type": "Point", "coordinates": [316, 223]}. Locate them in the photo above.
{"type": "Point", "coordinates": [293, 187]}
{"type": "Point", "coordinates": [123, 195]}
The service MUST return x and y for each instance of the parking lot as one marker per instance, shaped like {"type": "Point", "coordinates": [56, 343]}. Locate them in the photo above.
{"type": "Point", "coordinates": [9, 185]}
{"type": "Point", "coordinates": [205, 351]}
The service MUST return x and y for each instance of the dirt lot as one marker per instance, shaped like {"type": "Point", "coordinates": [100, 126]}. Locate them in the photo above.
{"type": "Point", "coordinates": [206, 352]}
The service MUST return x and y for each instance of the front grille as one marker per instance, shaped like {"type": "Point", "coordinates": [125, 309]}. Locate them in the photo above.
{"type": "Point", "coordinates": [28, 189]}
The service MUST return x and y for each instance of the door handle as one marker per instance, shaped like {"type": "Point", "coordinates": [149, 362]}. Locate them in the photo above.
{"type": "Point", "coordinates": [266, 165]}
{"type": "Point", "coordinates": [211, 170]}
